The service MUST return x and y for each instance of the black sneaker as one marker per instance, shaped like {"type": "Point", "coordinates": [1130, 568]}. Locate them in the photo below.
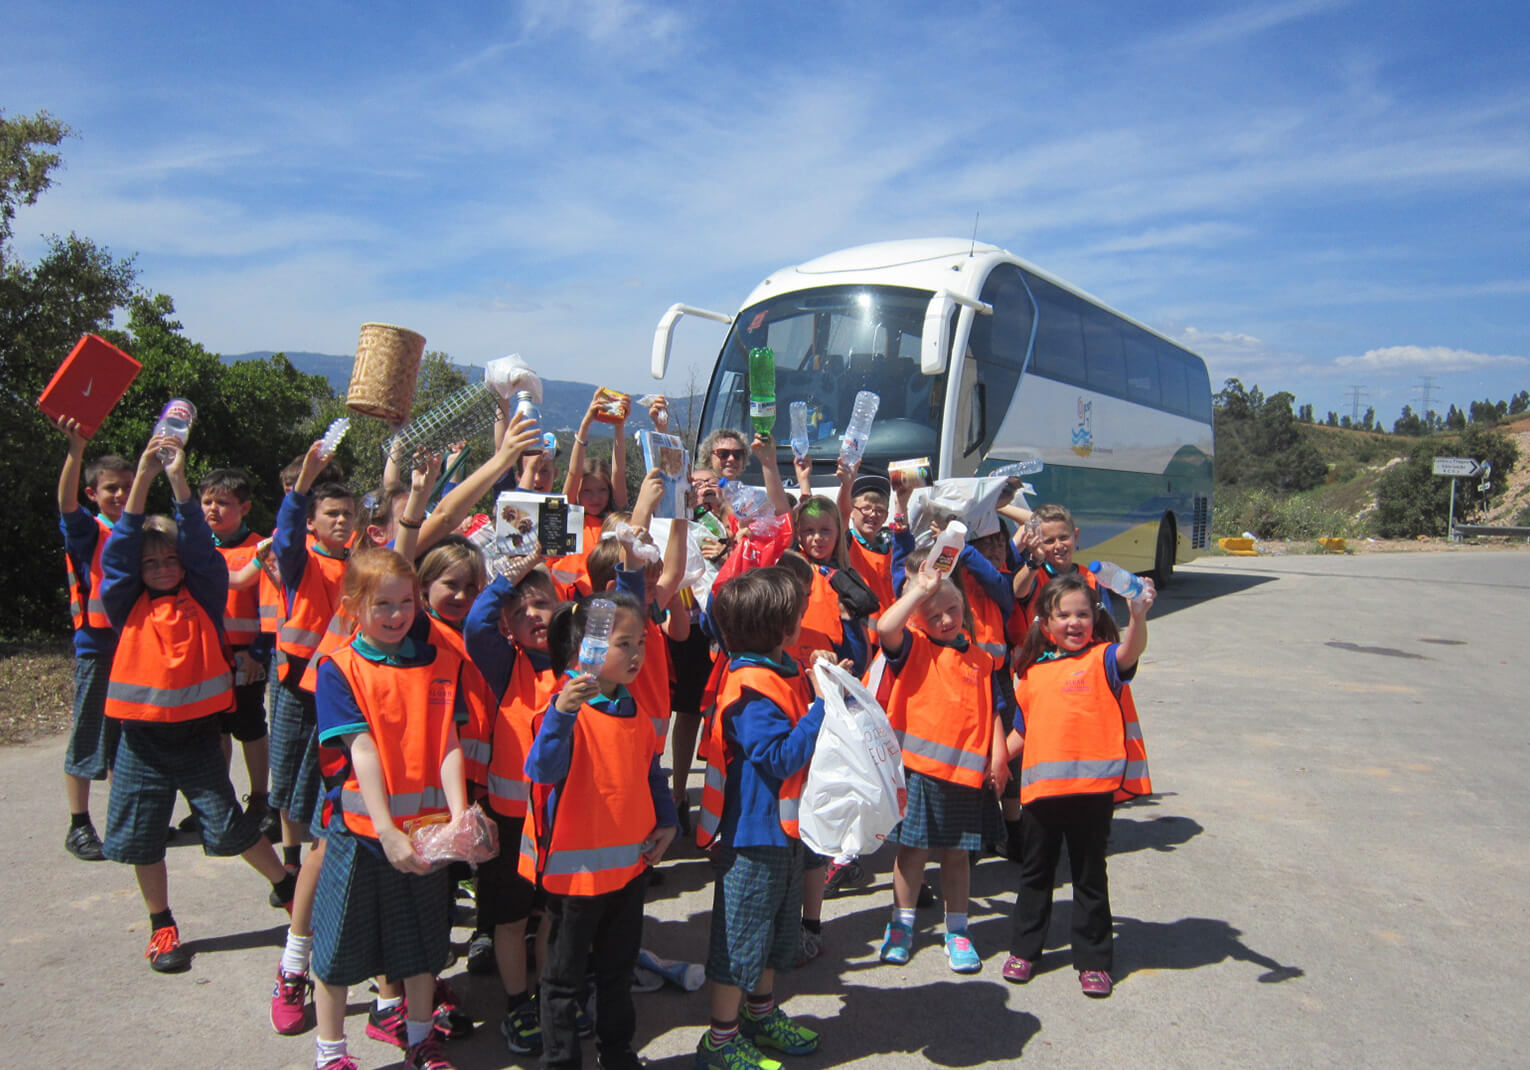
{"type": "Point", "coordinates": [522, 1030]}
{"type": "Point", "coordinates": [841, 876]}
{"type": "Point", "coordinates": [165, 952]}
{"type": "Point", "coordinates": [190, 823]}
{"type": "Point", "coordinates": [84, 844]}
{"type": "Point", "coordinates": [480, 959]}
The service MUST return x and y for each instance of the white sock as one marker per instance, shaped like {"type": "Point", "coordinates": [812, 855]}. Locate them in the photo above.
{"type": "Point", "coordinates": [328, 1051]}
{"type": "Point", "coordinates": [904, 917]}
{"type": "Point", "coordinates": [388, 1004]}
{"type": "Point", "coordinates": [418, 1031]}
{"type": "Point", "coordinates": [956, 923]}
{"type": "Point", "coordinates": [296, 954]}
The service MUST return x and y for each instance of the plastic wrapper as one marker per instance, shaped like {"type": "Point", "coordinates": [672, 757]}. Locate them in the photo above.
{"type": "Point", "coordinates": [611, 406]}
{"type": "Point", "coordinates": [508, 374]}
{"type": "Point", "coordinates": [473, 837]}
{"type": "Point", "coordinates": [855, 791]}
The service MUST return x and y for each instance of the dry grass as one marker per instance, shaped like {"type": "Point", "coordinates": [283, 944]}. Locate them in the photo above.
{"type": "Point", "coordinates": [36, 689]}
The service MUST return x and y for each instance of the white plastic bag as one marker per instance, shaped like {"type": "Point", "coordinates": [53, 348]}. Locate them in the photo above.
{"type": "Point", "coordinates": [855, 791]}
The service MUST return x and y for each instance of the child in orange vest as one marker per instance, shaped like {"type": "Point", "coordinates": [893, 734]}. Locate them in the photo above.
{"type": "Point", "coordinates": [760, 741]}
{"type": "Point", "coordinates": [506, 635]}
{"type": "Point", "coordinates": [92, 735]}
{"type": "Point", "coordinates": [1081, 751]}
{"type": "Point", "coordinates": [164, 593]}
{"type": "Point", "coordinates": [940, 703]}
{"type": "Point", "coordinates": [225, 499]}
{"type": "Point", "coordinates": [1046, 554]}
{"type": "Point", "coordinates": [389, 700]}
{"type": "Point", "coordinates": [600, 816]}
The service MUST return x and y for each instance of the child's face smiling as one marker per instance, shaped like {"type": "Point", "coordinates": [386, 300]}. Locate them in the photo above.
{"type": "Point", "coordinates": [451, 594]}
{"type": "Point", "coordinates": [161, 568]}
{"type": "Point", "coordinates": [1057, 542]}
{"type": "Point", "coordinates": [867, 515]}
{"type": "Point", "coordinates": [1071, 622]}
{"type": "Point", "coordinates": [111, 493]}
{"type": "Point", "coordinates": [818, 535]}
{"type": "Point", "coordinates": [594, 495]}
{"type": "Point", "coordinates": [385, 620]}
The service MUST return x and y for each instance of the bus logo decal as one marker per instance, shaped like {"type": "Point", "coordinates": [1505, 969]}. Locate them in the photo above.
{"type": "Point", "coordinates": [1083, 431]}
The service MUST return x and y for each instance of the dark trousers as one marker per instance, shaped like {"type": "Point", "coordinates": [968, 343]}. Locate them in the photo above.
{"type": "Point", "coordinates": [1083, 822]}
{"type": "Point", "coordinates": [591, 934]}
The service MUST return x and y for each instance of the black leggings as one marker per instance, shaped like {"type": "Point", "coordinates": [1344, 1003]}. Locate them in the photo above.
{"type": "Point", "coordinates": [1083, 822]}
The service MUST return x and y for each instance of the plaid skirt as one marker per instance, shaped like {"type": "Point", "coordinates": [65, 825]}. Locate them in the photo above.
{"type": "Point", "coordinates": [945, 815]}
{"type": "Point", "coordinates": [371, 920]}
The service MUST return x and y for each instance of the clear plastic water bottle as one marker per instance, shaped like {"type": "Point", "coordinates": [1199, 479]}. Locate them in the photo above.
{"type": "Point", "coordinates": [853, 446]}
{"type": "Point", "coordinates": [799, 429]}
{"type": "Point", "coordinates": [1126, 584]}
{"type": "Point", "coordinates": [597, 635]}
{"type": "Point", "coordinates": [947, 548]}
{"type": "Point", "coordinates": [496, 554]}
{"type": "Point", "coordinates": [175, 419]}
{"type": "Point", "coordinates": [748, 503]}
{"type": "Point", "coordinates": [762, 390]}
{"type": "Point", "coordinates": [332, 437]}
{"type": "Point", "coordinates": [1028, 467]}
{"type": "Point", "coordinates": [526, 405]}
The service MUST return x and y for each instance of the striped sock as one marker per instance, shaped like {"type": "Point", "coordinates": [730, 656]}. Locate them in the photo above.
{"type": "Point", "coordinates": [722, 1034]}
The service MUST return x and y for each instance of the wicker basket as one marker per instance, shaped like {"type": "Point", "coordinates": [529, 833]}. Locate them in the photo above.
{"type": "Point", "coordinates": [386, 372]}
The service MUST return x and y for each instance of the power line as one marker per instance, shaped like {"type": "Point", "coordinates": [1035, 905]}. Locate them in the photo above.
{"type": "Point", "coordinates": [1355, 394]}
{"type": "Point", "coordinates": [1426, 395]}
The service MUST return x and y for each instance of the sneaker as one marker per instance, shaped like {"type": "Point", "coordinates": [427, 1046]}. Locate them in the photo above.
{"type": "Point", "coordinates": [481, 958]}
{"type": "Point", "coordinates": [451, 1021]}
{"type": "Point", "coordinates": [269, 820]}
{"type": "Point", "coordinates": [1017, 970]}
{"type": "Point", "coordinates": [522, 1030]}
{"type": "Point", "coordinates": [963, 956]}
{"type": "Point", "coordinates": [427, 1055]}
{"type": "Point", "coordinates": [84, 844]}
{"type": "Point", "coordinates": [841, 876]}
{"type": "Point", "coordinates": [897, 943]}
{"type": "Point", "coordinates": [738, 1054]}
{"type": "Point", "coordinates": [341, 1062]}
{"type": "Point", "coordinates": [165, 953]}
{"type": "Point", "coordinates": [276, 900]}
{"type": "Point", "coordinates": [389, 1026]}
{"type": "Point", "coordinates": [809, 946]}
{"type": "Point", "coordinates": [779, 1032]}
{"type": "Point", "coordinates": [1095, 983]}
{"type": "Point", "coordinates": [289, 1002]}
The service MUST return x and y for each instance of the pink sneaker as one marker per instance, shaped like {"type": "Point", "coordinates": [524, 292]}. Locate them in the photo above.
{"type": "Point", "coordinates": [341, 1062]}
{"type": "Point", "coordinates": [1017, 970]}
{"type": "Point", "coordinates": [1095, 983]}
{"type": "Point", "coordinates": [289, 1002]}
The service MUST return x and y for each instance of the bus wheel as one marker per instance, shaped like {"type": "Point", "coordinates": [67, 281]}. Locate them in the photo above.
{"type": "Point", "coordinates": [1163, 556]}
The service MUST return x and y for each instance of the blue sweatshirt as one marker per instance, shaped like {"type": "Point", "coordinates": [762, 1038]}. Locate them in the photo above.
{"type": "Point", "coordinates": [122, 565]}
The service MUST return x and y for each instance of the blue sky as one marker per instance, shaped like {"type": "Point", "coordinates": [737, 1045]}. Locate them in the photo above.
{"type": "Point", "coordinates": [1313, 194]}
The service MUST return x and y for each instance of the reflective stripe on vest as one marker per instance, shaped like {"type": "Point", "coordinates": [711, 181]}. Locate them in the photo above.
{"type": "Point", "coordinates": [592, 861]}
{"type": "Point", "coordinates": [400, 806]}
{"type": "Point", "coordinates": [504, 768]}
{"type": "Point", "coordinates": [170, 698]}
{"type": "Point", "coordinates": [314, 604]}
{"type": "Point", "coordinates": [943, 753]}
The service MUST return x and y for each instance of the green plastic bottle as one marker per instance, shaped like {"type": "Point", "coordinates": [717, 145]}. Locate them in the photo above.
{"type": "Point", "coordinates": [762, 390]}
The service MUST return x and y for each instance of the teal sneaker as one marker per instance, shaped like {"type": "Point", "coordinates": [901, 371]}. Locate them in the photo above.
{"type": "Point", "coordinates": [778, 1032]}
{"type": "Point", "coordinates": [897, 943]}
{"type": "Point", "coordinates": [964, 957]}
{"type": "Point", "coordinates": [738, 1054]}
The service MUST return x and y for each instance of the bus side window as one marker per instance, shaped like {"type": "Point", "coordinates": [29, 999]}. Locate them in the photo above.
{"type": "Point", "coordinates": [1104, 355]}
{"type": "Point", "coordinates": [1059, 334]}
{"type": "Point", "coordinates": [1173, 381]}
{"type": "Point", "coordinates": [1142, 369]}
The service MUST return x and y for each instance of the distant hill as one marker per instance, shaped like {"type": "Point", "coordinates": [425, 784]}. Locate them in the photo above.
{"type": "Point", "coordinates": [564, 401]}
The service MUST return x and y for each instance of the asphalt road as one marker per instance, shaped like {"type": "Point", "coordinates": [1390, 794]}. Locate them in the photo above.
{"type": "Point", "coordinates": [1333, 875]}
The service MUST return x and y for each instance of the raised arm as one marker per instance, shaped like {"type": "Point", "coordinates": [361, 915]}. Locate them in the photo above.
{"type": "Point", "coordinates": [573, 481]}
{"type": "Point", "coordinates": [1134, 638]}
{"type": "Point", "coordinates": [454, 508]}
{"type": "Point", "coordinates": [407, 526]}
{"type": "Point", "coordinates": [69, 476]}
{"type": "Point", "coordinates": [892, 625]}
{"type": "Point", "coordinates": [764, 447]}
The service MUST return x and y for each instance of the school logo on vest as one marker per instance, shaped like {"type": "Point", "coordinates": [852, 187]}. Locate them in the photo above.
{"type": "Point", "coordinates": [1076, 683]}
{"type": "Point", "coordinates": [440, 692]}
{"type": "Point", "coordinates": [1083, 431]}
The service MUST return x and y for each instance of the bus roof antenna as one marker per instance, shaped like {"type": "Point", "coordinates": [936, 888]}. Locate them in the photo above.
{"type": "Point", "coordinates": [973, 251]}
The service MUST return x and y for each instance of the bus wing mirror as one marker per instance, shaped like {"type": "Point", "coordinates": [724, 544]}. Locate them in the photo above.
{"type": "Point", "coordinates": [935, 340]}
{"type": "Point", "coordinates": [664, 334]}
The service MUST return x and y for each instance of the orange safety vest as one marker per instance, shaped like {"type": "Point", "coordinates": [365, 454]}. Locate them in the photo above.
{"type": "Point", "coordinates": [476, 693]}
{"type": "Point", "coordinates": [242, 612]}
{"type": "Point", "coordinates": [651, 687]}
{"type": "Point", "coordinates": [822, 627]}
{"type": "Point", "coordinates": [1025, 611]}
{"type": "Point", "coordinates": [409, 717]}
{"type": "Point", "coordinates": [987, 618]}
{"type": "Point", "coordinates": [496, 754]}
{"type": "Point", "coordinates": [338, 632]}
{"type": "Point", "coordinates": [792, 696]}
{"type": "Point", "coordinates": [605, 810]}
{"type": "Point", "coordinates": [170, 664]}
{"type": "Point", "coordinates": [314, 604]}
{"type": "Point", "coordinates": [1080, 737]}
{"type": "Point", "coordinates": [86, 610]}
{"type": "Point", "coordinates": [875, 569]}
{"type": "Point", "coordinates": [940, 705]}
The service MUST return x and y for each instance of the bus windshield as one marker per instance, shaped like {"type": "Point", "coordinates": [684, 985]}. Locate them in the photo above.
{"type": "Point", "coordinates": [829, 344]}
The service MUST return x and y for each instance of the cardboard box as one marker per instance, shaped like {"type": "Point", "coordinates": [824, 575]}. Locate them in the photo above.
{"type": "Point", "coordinates": [526, 522]}
{"type": "Point", "coordinates": [90, 382]}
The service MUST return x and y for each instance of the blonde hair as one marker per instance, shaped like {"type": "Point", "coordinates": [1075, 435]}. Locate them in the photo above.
{"type": "Point", "coordinates": [811, 508]}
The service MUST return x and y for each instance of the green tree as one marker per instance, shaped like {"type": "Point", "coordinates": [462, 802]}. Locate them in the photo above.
{"type": "Point", "coordinates": [1408, 423]}
{"type": "Point", "coordinates": [1519, 403]}
{"type": "Point", "coordinates": [1411, 500]}
{"type": "Point", "coordinates": [1369, 423]}
{"type": "Point", "coordinates": [1455, 419]}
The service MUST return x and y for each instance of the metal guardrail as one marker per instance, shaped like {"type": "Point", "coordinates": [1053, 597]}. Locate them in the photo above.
{"type": "Point", "coordinates": [1490, 529]}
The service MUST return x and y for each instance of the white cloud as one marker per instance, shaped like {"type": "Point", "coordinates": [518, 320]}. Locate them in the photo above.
{"type": "Point", "coordinates": [1425, 359]}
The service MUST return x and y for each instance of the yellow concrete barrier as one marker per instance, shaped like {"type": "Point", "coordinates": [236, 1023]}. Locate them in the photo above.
{"type": "Point", "coordinates": [1239, 547]}
{"type": "Point", "coordinates": [1333, 546]}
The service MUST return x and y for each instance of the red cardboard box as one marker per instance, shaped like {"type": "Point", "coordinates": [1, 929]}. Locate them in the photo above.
{"type": "Point", "coordinates": [90, 382]}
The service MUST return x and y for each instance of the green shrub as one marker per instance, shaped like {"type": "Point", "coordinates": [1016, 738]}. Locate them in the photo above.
{"type": "Point", "coordinates": [1268, 516]}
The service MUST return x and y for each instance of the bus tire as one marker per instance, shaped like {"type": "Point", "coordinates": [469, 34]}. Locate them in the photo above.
{"type": "Point", "coordinates": [1163, 556]}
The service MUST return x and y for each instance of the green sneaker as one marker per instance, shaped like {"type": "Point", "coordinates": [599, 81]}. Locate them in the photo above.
{"type": "Point", "coordinates": [738, 1054]}
{"type": "Point", "coordinates": [779, 1032]}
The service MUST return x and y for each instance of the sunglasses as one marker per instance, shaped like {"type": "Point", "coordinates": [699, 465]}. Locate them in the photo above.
{"type": "Point", "coordinates": [728, 454]}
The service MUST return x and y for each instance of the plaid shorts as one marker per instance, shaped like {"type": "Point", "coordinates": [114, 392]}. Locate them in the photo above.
{"type": "Point", "coordinates": [945, 815]}
{"type": "Point", "coordinates": [295, 787]}
{"type": "Point", "coordinates": [371, 920]}
{"type": "Point", "coordinates": [756, 913]}
{"type": "Point", "coordinates": [93, 735]}
{"type": "Point", "coordinates": [154, 761]}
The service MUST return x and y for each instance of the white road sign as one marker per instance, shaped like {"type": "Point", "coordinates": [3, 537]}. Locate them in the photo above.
{"type": "Point", "coordinates": [1455, 466]}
